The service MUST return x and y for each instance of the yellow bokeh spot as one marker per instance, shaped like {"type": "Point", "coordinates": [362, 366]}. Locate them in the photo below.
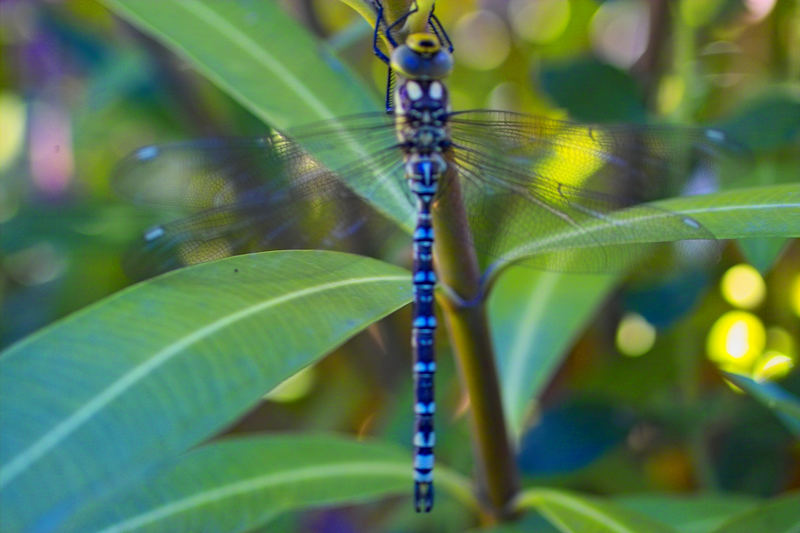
{"type": "Point", "coordinates": [12, 127]}
{"type": "Point", "coordinates": [539, 21]}
{"type": "Point", "coordinates": [635, 335]}
{"type": "Point", "coordinates": [743, 286]}
{"type": "Point", "coordinates": [736, 339]}
{"type": "Point", "coordinates": [772, 365]}
{"type": "Point", "coordinates": [670, 94]}
{"type": "Point", "coordinates": [794, 295]}
{"type": "Point", "coordinates": [295, 387]}
{"type": "Point", "coordinates": [580, 148]}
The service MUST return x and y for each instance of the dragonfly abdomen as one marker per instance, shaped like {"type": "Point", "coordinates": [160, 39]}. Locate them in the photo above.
{"type": "Point", "coordinates": [422, 132]}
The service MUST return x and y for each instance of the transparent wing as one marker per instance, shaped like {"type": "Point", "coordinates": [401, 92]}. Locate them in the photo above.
{"type": "Point", "coordinates": [568, 197]}
{"type": "Point", "coordinates": [261, 193]}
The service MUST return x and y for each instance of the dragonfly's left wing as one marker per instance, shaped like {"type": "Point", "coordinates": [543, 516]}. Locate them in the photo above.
{"type": "Point", "coordinates": [569, 197]}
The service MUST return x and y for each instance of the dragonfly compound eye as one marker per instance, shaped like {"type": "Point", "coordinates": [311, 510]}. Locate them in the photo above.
{"type": "Point", "coordinates": [422, 57]}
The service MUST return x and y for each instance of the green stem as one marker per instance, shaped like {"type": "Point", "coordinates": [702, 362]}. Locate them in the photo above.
{"type": "Point", "coordinates": [468, 329]}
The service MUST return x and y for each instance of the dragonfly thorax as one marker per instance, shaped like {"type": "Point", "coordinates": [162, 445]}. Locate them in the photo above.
{"type": "Point", "coordinates": [422, 109]}
{"type": "Point", "coordinates": [423, 100]}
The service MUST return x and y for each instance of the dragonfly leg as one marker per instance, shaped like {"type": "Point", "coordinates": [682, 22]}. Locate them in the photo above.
{"type": "Point", "coordinates": [436, 26]}
{"type": "Point", "coordinates": [379, 20]}
{"type": "Point", "coordinates": [390, 91]}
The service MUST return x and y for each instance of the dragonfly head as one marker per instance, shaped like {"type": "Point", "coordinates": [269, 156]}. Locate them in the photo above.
{"type": "Point", "coordinates": [422, 57]}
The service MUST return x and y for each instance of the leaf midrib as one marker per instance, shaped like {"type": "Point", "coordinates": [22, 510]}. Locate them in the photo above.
{"type": "Point", "coordinates": [52, 438]}
{"type": "Point", "coordinates": [362, 468]}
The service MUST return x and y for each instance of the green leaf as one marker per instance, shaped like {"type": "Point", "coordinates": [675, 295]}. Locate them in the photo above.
{"type": "Point", "coordinates": [763, 253]}
{"type": "Point", "coordinates": [769, 169]}
{"type": "Point", "coordinates": [256, 53]}
{"type": "Point", "coordinates": [96, 399]}
{"type": "Point", "coordinates": [271, 65]}
{"type": "Point", "coordinates": [614, 94]}
{"type": "Point", "coordinates": [781, 515]}
{"type": "Point", "coordinates": [535, 316]}
{"type": "Point", "coordinates": [779, 109]}
{"type": "Point", "coordinates": [785, 405]}
{"type": "Point", "coordinates": [770, 211]}
{"type": "Point", "coordinates": [688, 514]}
{"type": "Point", "coordinates": [575, 513]}
{"type": "Point", "coordinates": [779, 147]}
{"type": "Point", "coordinates": [238, 484]}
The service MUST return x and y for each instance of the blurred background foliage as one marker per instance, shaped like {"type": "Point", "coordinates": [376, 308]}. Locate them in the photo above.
{"type": "Point", "coordinates": [638, 403]}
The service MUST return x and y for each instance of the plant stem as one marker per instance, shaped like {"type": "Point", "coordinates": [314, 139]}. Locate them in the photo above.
{"type": "Point", "coordinates": [467, 326]}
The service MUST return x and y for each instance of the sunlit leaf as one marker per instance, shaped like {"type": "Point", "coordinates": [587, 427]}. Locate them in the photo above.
{"type": "Point", "coordinates": [118, 388]}
{"type": "Point", "coordinates": [772, 211]}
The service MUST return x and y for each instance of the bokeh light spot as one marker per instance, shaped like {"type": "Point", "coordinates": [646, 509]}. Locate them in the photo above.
{"type": "Point", "coordinates": [36, 265]}
{"type": "Point", "coordinates": [759, 9]}
{"type": "Point", "coordinates": [772, 365]}
{"type": "Point", "coordinates": [507, 96]}
{"type": "Point", "coordinates": [620, 31]}
{"type": "Point", "coordinates": [539, 21]}
{"type": "Point", "coordinates": [794, 297]}
{"type": "Point", "coordinates": [670, 94]}
{"type": "Point", "coordinates": [482, 40]}
{"type": "Point", "coordinates": [12, 127]}
{"type": "Point", "coordinates": [743, 286]}
{"type": "Point", "coordinates": [735, 340]}
{"type": "Point", "coordinates": [50, 150]}
{"type": "Point", "coordinates": [635, 335]}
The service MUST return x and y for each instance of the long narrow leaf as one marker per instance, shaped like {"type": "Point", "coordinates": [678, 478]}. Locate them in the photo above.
{"type": "Point", "coordinates": [238, 484]}
{"type": "Point", "coordinates": [784, 404]}
{"type": "Point", "coordinates": [91, 402]}
{"type": "Point", "coordinates": [769, 211]}
{"type": "Point", "coordinates": [271, 65]}
{"type": "Point", "coordinates": [535, 316]}
{"type": "Point", "coordinates": [780, 515]}
{"type": "Point", "coordinates": [571, 512]}
{"type": "Point", "coordinates": [698, 513]}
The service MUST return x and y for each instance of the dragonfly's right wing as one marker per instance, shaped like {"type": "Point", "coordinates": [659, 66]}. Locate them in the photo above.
{"type": "Point", "coordinates": [255, 194]}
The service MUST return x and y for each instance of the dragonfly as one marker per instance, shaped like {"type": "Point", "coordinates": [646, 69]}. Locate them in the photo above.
{"type": "Point", "coordinates": [580, 189]}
